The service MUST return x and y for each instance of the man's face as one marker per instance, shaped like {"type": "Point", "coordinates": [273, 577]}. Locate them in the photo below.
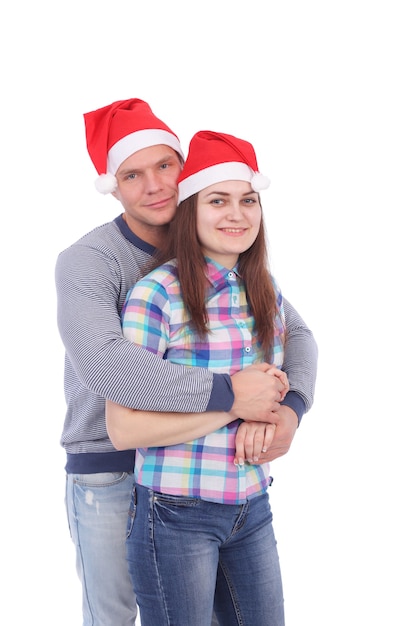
{"type": "Point", "coordinates": [147, 188]}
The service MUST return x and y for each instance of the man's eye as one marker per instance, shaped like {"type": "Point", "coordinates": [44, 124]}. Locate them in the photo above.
{"type": "Point", "coordinates": [131, 176]}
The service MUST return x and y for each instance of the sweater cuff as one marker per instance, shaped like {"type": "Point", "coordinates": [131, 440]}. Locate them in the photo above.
{"type": "Point", "coordinates": [296, 403]}
{"type": "Point", "coordinates": [222, 396]}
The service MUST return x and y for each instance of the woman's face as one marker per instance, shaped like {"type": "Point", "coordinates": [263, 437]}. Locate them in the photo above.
{"type": "Point", "coordinates": [228, 220]}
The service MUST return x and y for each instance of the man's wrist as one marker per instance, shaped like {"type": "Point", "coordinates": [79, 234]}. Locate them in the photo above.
{"type": "Point", "coordinates": [222, 396]}
{"type": "Point", "coordinates": [296, 403]}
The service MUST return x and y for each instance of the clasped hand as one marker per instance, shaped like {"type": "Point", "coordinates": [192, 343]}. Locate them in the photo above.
{"type": "Point", "coordinates": [260, 442]}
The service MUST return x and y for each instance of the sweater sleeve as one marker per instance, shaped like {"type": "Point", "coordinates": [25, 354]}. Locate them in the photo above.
{"type": "Point", "coordinates": [300, 362]}
{"type": "Point", "coordinates": [88, 284]}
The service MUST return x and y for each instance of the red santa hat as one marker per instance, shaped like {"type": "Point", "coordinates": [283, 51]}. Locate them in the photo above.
{"type": "Point", "coordinates": [216, 157]}
{"type": "Point", "coordinates": [116, 131]}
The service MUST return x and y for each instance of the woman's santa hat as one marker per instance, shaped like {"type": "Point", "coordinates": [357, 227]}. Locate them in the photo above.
{"type": "Point", "coordinates": [216, 157]}
{"type": "Point", "coordinates": [116, 131]}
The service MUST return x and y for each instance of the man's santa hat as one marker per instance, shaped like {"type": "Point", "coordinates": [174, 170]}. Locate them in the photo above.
{"type": "Point", "coordinates": [216, 157]}
{"type": "Point", "coordinates": [116, 131]}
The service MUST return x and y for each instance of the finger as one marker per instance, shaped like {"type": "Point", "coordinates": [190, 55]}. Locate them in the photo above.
{"type": "Point", "coordinates": [282, 376]}
{"type": "Point", "coordinates": [249, 447]}
{"type": "Point", "coordinates": [268, 437]}
{"type": "Point", "coordinates": [262, 438]}
{"type": "Point", "coordinates": [240, 445]}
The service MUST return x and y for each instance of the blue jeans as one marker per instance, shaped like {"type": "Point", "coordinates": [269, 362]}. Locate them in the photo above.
{"type": "Point", "coordinates": [186, 555]}
{"type": "Point", "coordinates": [97, 508]}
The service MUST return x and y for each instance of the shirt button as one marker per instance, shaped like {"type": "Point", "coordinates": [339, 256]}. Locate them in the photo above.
{"type": "Point", "coordinates": [231, 275]}
{"type": "Point", "coordinates": [247, 349]}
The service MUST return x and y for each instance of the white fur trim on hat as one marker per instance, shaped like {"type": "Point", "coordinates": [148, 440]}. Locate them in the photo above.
{"type": "Point", "coordinates": [218, 173]}
{"type": "Point", "coordinates": [138, 140]}
{"type": "Point", "coordinates": [106, 183]}
{"type": "Point", "coordinates": [211, 175]}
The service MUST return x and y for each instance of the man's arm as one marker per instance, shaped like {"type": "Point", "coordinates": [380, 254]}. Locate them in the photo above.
{"type": "Point", "coordinates": [300, 362]}
{"type": "Point", "coordinates": [88, 285]}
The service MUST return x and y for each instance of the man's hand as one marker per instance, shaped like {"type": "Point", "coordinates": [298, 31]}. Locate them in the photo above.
{"type": "Point", "coordinates": [258, 390]}
{"type": "Point", "coordinates": [286, 427]}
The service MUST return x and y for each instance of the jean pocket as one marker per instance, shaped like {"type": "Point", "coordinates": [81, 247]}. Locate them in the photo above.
{"type": "Point", "coordinates": [167, 500]}
{"type": "Point", "coordinates": [102, 479]}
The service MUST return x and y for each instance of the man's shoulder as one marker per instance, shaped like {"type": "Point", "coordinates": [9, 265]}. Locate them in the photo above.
{"type": "Point", "coordinates": [106, 241]}
{"type": "Point", "coordinates": [98, 235]}
{"type": "Point", "coordinates": [162, 276]}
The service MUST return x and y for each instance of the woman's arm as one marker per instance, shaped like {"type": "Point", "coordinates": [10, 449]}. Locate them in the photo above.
{"type": "Point", "coordinates": [128, 428]}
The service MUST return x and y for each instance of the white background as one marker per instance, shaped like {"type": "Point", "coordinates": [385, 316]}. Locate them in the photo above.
{"type": "Point", "coordinates": [326, 92]}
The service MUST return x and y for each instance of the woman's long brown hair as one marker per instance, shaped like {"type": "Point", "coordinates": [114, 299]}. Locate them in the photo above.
{"type": "Point", "coordinates": [182, 243]}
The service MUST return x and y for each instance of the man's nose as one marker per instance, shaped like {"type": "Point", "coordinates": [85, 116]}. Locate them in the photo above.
{"type": "Point", "coordinates": [152, 182]}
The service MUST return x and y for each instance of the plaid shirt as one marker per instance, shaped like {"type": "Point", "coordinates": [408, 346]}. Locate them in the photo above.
{"type": "Point", "coordinates": [154, 317]}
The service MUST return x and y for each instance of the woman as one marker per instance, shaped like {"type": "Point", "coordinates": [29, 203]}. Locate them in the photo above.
{"type": "Point", "coordinates": [211, 302]}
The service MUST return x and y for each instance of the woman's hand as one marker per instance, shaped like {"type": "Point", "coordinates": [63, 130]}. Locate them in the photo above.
{"type": "Point", "coordinates": [253, 439]}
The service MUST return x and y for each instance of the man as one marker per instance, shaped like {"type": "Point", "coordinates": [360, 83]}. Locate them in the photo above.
{"type": "Point", "coordinates": [92, 279]}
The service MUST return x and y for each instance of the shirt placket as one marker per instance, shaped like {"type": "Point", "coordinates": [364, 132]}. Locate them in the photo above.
{"type": "Point", "coordinates": [239, 314]}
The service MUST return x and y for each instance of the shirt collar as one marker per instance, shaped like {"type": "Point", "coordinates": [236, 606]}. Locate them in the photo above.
{"type": "Point", "coordinates": [217, 274]}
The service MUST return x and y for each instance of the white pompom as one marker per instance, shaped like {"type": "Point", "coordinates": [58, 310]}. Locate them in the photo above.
{"type": "Point", "coordinates": [259, 182]}
{"type": "Point", "coordinates": [106, 183]}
